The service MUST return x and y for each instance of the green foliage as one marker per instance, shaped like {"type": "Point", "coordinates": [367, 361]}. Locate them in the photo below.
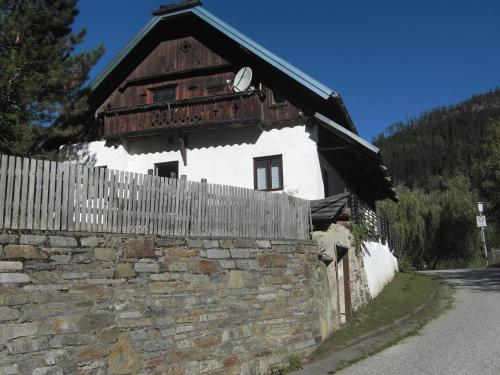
{"type": "Point", "coordinates": [443, 142]}
{"type": "Point", "coordinates": [41, 76]}
{"type": "Point", "coordinates": [487, 170]}
{"type": "Point", "coordinates": [360, 234]}
{"type": "Point", "coordinates": [404, 265]}
{"type": "Point", "coordinates": [435, 226]}
{"type": "Point", "coordinates": [293, 364]}
{"type": "Point", "coordinates": [424, 154]}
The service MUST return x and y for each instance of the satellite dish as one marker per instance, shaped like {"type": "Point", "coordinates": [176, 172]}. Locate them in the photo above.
{"type": "Point", "coordinates": [243, 79]}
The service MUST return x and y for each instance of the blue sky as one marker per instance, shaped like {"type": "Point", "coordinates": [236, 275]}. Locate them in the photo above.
{"type": "Point", "coordinates": [390, 60]}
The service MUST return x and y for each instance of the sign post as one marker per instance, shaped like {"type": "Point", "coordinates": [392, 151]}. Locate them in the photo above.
{"type": "Point", "coordinates": [481, 223]}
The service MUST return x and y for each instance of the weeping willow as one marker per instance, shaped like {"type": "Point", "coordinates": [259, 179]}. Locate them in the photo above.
{"type": "Point", "coordinates": [437, 225]}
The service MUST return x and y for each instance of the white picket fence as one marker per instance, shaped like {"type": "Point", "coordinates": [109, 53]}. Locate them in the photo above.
{"type": "Point", "coordinates": [46, 195]}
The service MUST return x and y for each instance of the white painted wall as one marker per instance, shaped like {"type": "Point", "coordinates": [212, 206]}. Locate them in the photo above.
{"type": "Point", "coordinates": [380, 266]}
{"type": "Point", "coordinates": [226, 156]}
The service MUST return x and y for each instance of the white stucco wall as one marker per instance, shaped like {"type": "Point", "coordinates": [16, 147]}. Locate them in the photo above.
{"type": "Point", "coordinates": [226, 156]}
{"type": "Point", "coordinates": [380, 266]}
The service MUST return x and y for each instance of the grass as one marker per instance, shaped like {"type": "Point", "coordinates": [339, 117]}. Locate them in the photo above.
{"type": "Point", "coordinates": [401, 297]}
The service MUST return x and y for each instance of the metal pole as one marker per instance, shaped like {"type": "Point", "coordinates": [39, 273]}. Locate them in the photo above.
{"type": "Point", "coordinates": [483, 234]}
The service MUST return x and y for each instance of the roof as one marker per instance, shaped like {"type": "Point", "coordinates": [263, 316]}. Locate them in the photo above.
{"type": "Point", "coordinates": [185, 8]}
{"type": "Point", "coordinates": [328, 208]}
{"type": "Point", "coordinates": [375, 175]}
{"type": "Point", "coordinates": [346, 133]}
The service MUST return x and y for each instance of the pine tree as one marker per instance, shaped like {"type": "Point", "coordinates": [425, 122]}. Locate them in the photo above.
{"type": "Point", "coordinates": [41, 76]}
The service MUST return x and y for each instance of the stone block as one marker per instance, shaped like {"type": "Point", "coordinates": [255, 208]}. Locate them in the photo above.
{"type": "Point", "coordinates": [123, 359]}
{"type": "Point", "coordinates": [107, 254]}
{"type": "Point", "coordinates": [139, 248]}
{"type": "Point", "coordinates": [23, 346]}
{"type": "Point", "coordinates": [9, 369]}
{"type": "Point", "coordinates": [226, 244]}
{"type": "Point", "coordinates": [147, 267]}
{"type": "Point", "coordinates": [59, 325]}
{"type": "Point", "coordinates": [11, 266]}
{"type": "Point", "coordinates": [182, 252]}
{"type": "Point", "coordinates": [133, 314]}
{"type": "Point", "coordinates": [210, 244]}
{"type": "Point", "coordinates": [62, 241]}
{"type": "Point", "coordinates": [92, 241]}
{"type": "Point", "coordinates": [194, 243]}
{"type": "Point", "coordinates": [178, 266]}
{"type": "Point", "coordinates": [272, 260]}
{"type": "Point", "coordinates": [11, 331]}
{"type": "Point", "coordinates": [263, 244]}
{"type": "Point", "coordinates": [14, 278]}
{"type": "Point", "coordinates": [110, 335]}
{"type": "Point", "coordinates": [96, 321]}
{"type": "Point", "coordinates": [6, 238]}
{"type": "Point", "coordinates": [240, 253]}
{"type": "Point", "coordinates": [204, 266]}
{"type": "Point", "coordinates": [245, 243]}
{"type": "Point", "coordinates": [218, 253]}
{"type": "Point", "coordinates": [242, 264]}
{"type": "Point", "coordinates": [77, 339]}
{"type": "Point", "coordinates": [32, 239]}
{"type": "Point", "coordinates": [7, 313]}
{"type": "Point", "coordinates": [90, 352]}
{"type": "Point", "coordinates": [23, 251]}
{"type": "Point", "coordinates": [124, 270]}
{"type": "Point", "coordinates": [170, 242]}
{"type": "Point", "coordinates": [209, 365]}
{"type": "Point", "coordinates": [48, 371]}
{"type": "Point", "coordinates": [231, 362]}
{"type": "Point", "coordinates": [236, 280]}
{"type": "Point", "coordinates": [85, 258]}
{"type": "Point", "coordinates": [227, 263]}
{"type": "Point", "coordinates": [305, 344]}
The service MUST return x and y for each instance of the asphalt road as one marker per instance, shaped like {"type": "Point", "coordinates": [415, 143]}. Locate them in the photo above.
{"type": "Point", "coordinates": [464, 340]}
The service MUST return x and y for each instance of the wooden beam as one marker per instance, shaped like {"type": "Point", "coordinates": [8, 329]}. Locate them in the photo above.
{"type": "Point", "coordinates": [183, 149]}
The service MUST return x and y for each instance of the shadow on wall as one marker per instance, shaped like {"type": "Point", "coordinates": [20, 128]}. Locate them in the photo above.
{"type": "Point", "coordinates": [479, 280]}
{"type": "Point", "coordinates": [202, 140]}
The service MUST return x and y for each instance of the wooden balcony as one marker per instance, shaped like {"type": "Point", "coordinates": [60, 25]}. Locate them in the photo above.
{"type": "Point", "coordinates": [182, 114]}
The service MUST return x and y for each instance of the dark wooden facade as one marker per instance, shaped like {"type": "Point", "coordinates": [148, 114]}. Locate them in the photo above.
{"type": "Point", "coordinates": [203, 96]}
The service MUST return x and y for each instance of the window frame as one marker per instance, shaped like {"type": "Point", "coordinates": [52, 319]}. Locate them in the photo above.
{"type": "Point", "coordinates": [269, 160]}
{"type": "Point", "coordinates": [152, 90]}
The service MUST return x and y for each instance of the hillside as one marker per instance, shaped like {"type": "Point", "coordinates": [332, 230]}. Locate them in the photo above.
{"type": "Point", "coordinates": [444, 141]}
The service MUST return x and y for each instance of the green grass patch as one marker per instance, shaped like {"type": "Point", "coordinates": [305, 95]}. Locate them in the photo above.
{"type": "Point", "coordinates": [405, 293]}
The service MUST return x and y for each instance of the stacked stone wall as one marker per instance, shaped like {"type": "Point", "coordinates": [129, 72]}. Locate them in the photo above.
{"type": "Point", "coordinates": [113, 304]}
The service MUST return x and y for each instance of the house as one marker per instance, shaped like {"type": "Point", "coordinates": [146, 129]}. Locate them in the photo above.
{"type": "Point", "coordinates": [168, 104]}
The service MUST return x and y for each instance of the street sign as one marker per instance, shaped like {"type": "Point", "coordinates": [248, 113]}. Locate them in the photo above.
{"type": "Point", "coordinates": [481, 221]}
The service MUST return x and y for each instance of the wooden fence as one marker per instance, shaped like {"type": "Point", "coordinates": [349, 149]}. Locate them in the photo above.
{"type": "Point", "coordinates": [46, 195]}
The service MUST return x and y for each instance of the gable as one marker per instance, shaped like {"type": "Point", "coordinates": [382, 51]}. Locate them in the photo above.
{"type": "Point", "coordinates": [225, 41]}
{"type": "Point", "coordinates": [175, 56]}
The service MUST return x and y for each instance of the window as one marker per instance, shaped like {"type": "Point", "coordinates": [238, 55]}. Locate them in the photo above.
{"type": "Point", "coordinates": [268, 173]}
{"type": "Point", "coordinates": [165, 94]}
{"type": "Point", "coordinates": [169, 169]}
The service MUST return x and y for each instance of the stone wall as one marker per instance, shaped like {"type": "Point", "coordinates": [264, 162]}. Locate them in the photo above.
{"type": "Point", "coordinates": [112, 304]}
{"type": "Point", "coordinates": [339, 235]}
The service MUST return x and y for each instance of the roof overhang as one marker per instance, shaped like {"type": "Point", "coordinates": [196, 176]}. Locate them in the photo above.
{"type": "Point", "coordinates": [376, 183]}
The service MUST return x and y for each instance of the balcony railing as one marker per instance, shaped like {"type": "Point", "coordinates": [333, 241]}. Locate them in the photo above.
{"type": "Point", "coordinates": [184, 113]}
